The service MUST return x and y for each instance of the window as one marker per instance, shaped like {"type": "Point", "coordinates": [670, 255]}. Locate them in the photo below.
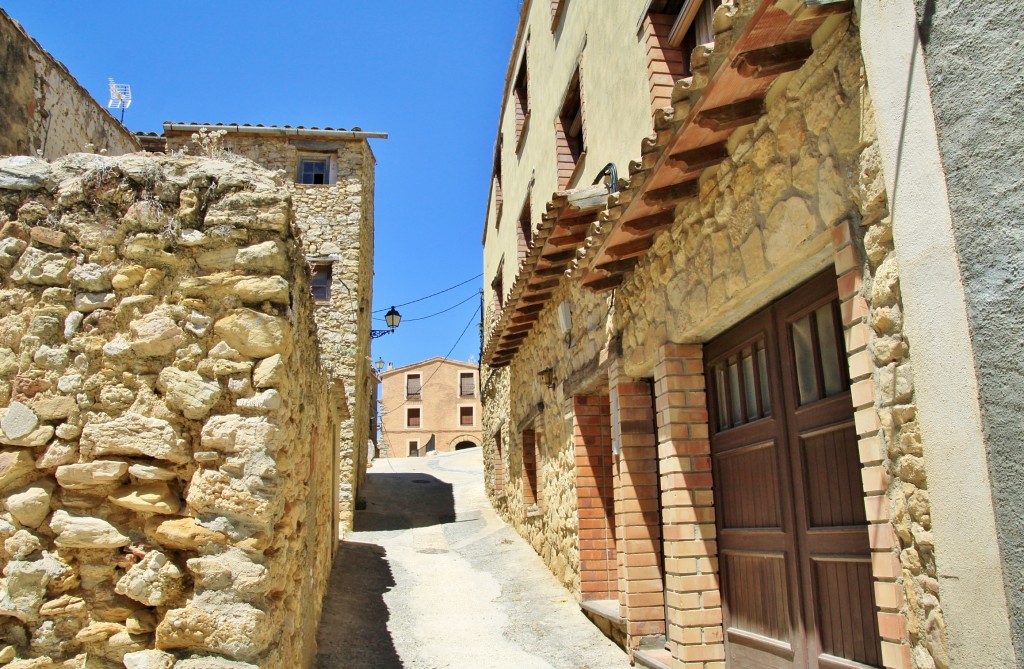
{"type": "Point", "coordinates": [413, 390]}
{"type": "Point", "coordinates": [414, 449]}
{"type": "Point", "coordinates": [569, 132]}
{"type": "Point", "coordinates": [557, 11]}
{"type": "Point", "coordinates": [498, 198]}
{"type": "Point", "coordinates": [466, 416]}
{"type": "Point", "coordinates": [467, 384]}
{"type": "Point", "coordinates": [530, 496]}
{"type": "Point", "coordinates": [525, 232]}
{"type": "Point", "coordinates": [521, 93]}
{"type": "Point", "coordinates": [314, 171]}
{"type": "Point", "coordinates": [412, 417]}
{"type": "Point", "coordinates": [321, 280]}
{"type": "Point", "coordinates": [697, 30]}
{"type": "Point", "coordinates": [498, 290]}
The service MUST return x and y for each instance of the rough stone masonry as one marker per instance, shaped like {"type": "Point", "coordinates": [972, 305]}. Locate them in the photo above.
{"type": "Point", "coordinates": [167, 440]}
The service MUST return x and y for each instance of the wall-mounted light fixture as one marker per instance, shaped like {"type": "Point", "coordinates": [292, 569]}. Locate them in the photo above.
{"type": "Point", "coordinates": [547, 376]}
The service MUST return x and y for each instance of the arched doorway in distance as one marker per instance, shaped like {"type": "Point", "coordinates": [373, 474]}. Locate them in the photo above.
{"type": "Point", "coordinates": [463, 442]}
{"type": "Point", "coordinates": [463, 445]}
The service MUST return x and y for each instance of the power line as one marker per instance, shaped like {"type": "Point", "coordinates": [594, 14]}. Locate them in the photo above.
{"type": "Point", "coordinates": [475, 295]}
{"type": "Point", "coordinates": [420, 299]}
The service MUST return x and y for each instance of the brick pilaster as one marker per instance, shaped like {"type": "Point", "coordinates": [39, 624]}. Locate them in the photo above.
{"type": "Point", "coordinates": [694, 599]}
{"type": "Point", "coordinates": [665, 62]}
{"type": "Point", "coordinates": [594, 497]}
{"type": "Point", "coordinates": [885, 562]}
{"type": "Point", "coordinates": [637, 512]}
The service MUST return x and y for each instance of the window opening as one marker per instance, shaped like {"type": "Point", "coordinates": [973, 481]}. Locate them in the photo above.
{"type": "Point", "coordinates": [521, 94]}
{"type": "Point", "coordinates": [414, 449]}
{"type": "Point", "coordinates": [320, 281]}
{"type": "Point", "coordinates": [525, 232]}
{"type": "Point", "coordinates": [569, 134]}
{"type": "Point", "coordinates": [413, 389]}
{"type": "Point", "coordinates": [466, 416]}
{"type": "Point", "coordinates": [412, 417]}
{"type": "Point", "coordinates": [314, 171]}
{"type": "Point", "coordinates": [467, 384]}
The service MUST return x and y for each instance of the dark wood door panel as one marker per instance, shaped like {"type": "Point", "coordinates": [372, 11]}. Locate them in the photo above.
{"type": "Point", "coordinates": [788, 489]}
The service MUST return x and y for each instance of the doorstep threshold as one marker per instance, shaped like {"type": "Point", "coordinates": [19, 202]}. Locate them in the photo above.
{"type": "Point", "coordinates": [654, 658]}
{"type": "Point", "coordinates": [604, 608]}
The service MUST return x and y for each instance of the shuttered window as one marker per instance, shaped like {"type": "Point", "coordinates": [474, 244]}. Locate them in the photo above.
{"type": "Point", "coordinates": [412, 417]}
{"type": "Point", "coordinates": [467, 384]}
{"type": "Point", "coordinates": [466, 416]}
{"type": "Point", "coordinates": [413, 389]}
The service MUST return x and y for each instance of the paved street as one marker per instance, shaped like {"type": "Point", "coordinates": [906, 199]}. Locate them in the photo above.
{"type": "Point", "coordinates": [433, 579]}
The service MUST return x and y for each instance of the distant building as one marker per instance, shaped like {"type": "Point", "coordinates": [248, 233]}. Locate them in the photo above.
{"type": "Point", "coordinates": [44, 110]}
{"type": "Point", "coordinates": [430, 406]}
{"type": "Point", "coordinates": [332, 195]}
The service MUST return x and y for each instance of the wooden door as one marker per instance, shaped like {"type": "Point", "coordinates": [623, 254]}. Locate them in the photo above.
{"type": "Point", "coordinates": [793, 544]}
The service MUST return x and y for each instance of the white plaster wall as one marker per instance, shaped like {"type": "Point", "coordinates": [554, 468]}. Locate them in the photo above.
{"type": "Point", "coordinates": [970, 572]}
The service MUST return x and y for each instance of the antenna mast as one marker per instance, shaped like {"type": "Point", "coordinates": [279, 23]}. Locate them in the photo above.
{"type": "Point", "coordinates": [120, 97]}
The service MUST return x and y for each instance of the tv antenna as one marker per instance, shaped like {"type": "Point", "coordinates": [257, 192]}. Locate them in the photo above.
{"type": "Point", "coordinates": [120, 96]}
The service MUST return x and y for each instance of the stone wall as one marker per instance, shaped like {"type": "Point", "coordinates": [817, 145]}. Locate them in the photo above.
{"type": "Point", "coordinates": [802, 190]}
{"type": "Point", "coordinates": [44, 110]}
{"type": "Point", "coordinates": [168, 432]}
{"type": "Point", "coordinates": [336, 221]}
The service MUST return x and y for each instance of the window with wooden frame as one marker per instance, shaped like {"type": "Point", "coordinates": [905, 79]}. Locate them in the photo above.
{"type": "Point", "coordinates": [521, 94]}
{"type": "Point", "coordinates": [569, 134]}
{"type": "Point", "coordinates": [466, 418]}
{"type": "Point", "coordinates": [557, 12]}
{"type": "Point", "coordinates": [413, 387]}
{"type": "Point", "coordinates": [412, 417]}
{"type": "Point", "coordinates": [498, 197]}
{"type": "Point", "coordinates": [524, 233]}
{"type": "Point", "coordinates": [320, 280]}
{"type": "Point", "coordinates": [498, 289]}
{"type": "Point", "coordinates": [467, 384]}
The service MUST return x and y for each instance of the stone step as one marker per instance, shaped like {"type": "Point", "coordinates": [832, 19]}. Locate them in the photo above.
{"type": "Point", "coordinates": [654, 658]}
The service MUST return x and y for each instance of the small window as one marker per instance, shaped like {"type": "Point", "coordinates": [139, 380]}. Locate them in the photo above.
{"type": "Point", "coordinates": [314, 171]}
{"type": "Point", "coordinates": [466, 416]}
{"type": "Point", "coordinates": [569, 132]}
{"type": "Point", "coordinates": [321, 281]}
{"type": "Point", "coordinates": [412, 417]}
{"type": "Point", "coordinates": [699, 31]}
{"type": "Point", "coordinates": [498, 197]}
{"type": "Point", "coordinates": [413, 389]}
{"type": "Point", "coordinates": [498, 289]}
{"type": "Point", "coordinates": [521, 93]}
{"type": "Point", "coordinates": [467, 384]}
{"type": "Point", "coordinates": [414, 449]}
{"type": "Point", "coordinates": [525, 232]}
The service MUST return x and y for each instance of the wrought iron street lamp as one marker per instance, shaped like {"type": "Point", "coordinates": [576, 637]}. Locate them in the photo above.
{"type": "Point", "coordinates": [392, 318]}
{"type": "Point", "coordinates": [379, 364]}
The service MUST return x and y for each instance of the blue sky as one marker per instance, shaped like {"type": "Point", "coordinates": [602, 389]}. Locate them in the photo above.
{"type": "Point", "coordinates": [428, 73]}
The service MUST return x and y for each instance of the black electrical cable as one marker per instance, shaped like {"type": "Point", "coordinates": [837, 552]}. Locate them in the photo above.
{"type": "Point", "coordinates": [423, 318]}
{"type": "Point", "coordinates": [420, 299]}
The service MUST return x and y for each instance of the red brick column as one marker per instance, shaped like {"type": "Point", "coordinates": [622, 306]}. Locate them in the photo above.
{"type": "Point", "coordinates": [592, 433]}
{"type": "Point", "coordinates": [664, 62]}
{"type": "Point", "coordinates": [694, 599]}
{"type": "Point", "coordinates": [529, 468]}
{"type": "Point", "coordinates": [885, 561]}
{"type": "Point", "coordinates": [637, 508]}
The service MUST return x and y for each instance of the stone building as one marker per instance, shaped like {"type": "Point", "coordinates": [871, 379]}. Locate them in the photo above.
{"type": "Point", "coordinates": [330, 178]}
{"type": "Point", "coordinates": [741, 395]}
{"type": "Point", "coordinates": [44, 110]}
{"type": "Point", "coordinates": [168, 436]}
{"type": "Point", "coordinates": [427, 407]}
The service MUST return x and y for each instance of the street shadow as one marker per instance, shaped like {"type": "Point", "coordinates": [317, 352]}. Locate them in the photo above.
{"type": "Point", "coordinates": [403, 501]}
{"type": "Point", "coordinates": [353, 630]}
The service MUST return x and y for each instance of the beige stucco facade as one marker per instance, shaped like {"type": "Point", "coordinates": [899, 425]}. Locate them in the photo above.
{"type": "Point", "coordinates": [335, 220]}
{"type": "Point", "coordinates": [444, 416]}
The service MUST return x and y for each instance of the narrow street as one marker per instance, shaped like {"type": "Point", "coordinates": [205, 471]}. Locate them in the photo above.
{"type": "Point", "coordinates": [433, 579]}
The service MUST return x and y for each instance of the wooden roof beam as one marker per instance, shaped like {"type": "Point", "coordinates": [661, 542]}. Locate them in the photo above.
{"type": "Point", "coordinates": [604, 283]}
{"type": "Point", "coordinates": [567, 240]}
{"type": "Point", "coordinates": [646, 224]}
{"type": "Point", "coordinates": [731, 116]}
{"type": "Point", "coordinates": [633, 247]}
{"type": "Point", "coordinates": [773, 60]}
{"type": "Point", "coordinates": [559, 256]}
{"type": "Point", "coordinates": [619, 266]}
{"type": "Point", "coordinates": [669, 196]}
